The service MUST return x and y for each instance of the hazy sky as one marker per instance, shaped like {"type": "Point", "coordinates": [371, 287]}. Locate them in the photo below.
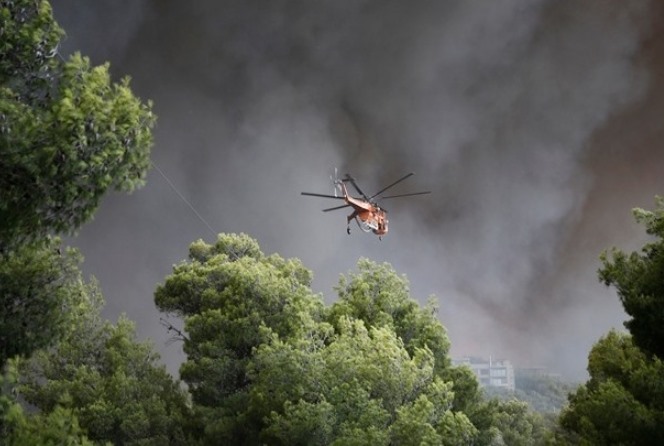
{"type": "Point", "coordinates": [536, 125]}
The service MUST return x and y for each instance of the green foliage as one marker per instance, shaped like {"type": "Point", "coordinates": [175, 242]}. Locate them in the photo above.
{"type": "Point", "coordinates": [267, 363]}
{"type": "Point", "coordinates": [466, 387]}
{"type": "Point", "coordinates": [39, 286]}
{"type": "Point", "coordinates": [638, 280]}
{"type": "Point", "coordinates": [302, 423]}
{"type": "Point", "coordinates": [67, 133]}
{"type": "Point", "coordinates": [609, 415]}
{"type": "Point", "coordinates": [544, 394]}
{"type": "Point", "coordinates": [363, 387]}
{"type": "Point", "coordinates": [112, 384]}
{"type": "Point", "coordinates": [233, 299]}
{"type": "Point", "coordinates": [59, 427]}
{"type": "Point", "coordinates": [28, 48]}
{"type": "Point", "coordinates": [509, 422]}
{"type": "Point", "coordinates": [379, 297]}
{"type": "Point", "coordinates": [623, 402]}
{"type": "Point", "coordinates": [518, 425]}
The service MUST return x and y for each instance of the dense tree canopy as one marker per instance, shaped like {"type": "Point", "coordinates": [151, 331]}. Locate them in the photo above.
{"type": "Point", "coordinates": [114, 386]}
{"type": "Point", "coordinates": [67, 133]}
{"type": "Point", "coordinates": [379, 297]}
{"type": "Point", "coordinates": [639, 280]}
{"type": "Point", "coordinates": [623, 402]}
{"type": "Point", "coordinates": [268, 362]}
{"type": "Point", "coordinates": [59, 427]}
{"type": "Point", "coordinates": [39, 285]}
{"type": "Point", "coordinates": [545, 394]}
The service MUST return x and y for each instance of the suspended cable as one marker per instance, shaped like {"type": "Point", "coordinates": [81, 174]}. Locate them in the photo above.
{"type": "Point", "coordinates": [170, 183]}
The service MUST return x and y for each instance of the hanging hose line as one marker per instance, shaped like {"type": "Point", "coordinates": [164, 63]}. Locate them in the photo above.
{"type": "Point", "coordinates": [170, 183]}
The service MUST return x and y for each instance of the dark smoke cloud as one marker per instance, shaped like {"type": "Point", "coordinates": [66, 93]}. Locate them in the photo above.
{"type": "Point", "coordinates": [504, 109]}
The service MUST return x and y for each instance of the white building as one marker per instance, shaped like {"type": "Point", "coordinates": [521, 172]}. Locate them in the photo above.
{"type": "Point", "coordinates": [491, 372]}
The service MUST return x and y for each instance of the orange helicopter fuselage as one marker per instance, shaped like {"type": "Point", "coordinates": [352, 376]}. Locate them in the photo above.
{"type": "Point", "coordinates": [369, 216]}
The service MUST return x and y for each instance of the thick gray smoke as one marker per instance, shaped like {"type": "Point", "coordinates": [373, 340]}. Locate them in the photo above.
{"type": "Point", "coordinates": [508, 111]}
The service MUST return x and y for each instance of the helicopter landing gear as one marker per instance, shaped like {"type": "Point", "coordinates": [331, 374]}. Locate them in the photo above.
{"type": "Point", "coordinates": [348, 230]}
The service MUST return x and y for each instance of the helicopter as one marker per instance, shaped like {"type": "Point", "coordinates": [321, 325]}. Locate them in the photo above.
{"type": "Point", "coordinates": [370, 217]}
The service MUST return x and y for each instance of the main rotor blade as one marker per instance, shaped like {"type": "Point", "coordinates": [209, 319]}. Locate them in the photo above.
{"type": "Point", "coordinates": [357, 188]}
{"type": "Point", "coordinates": [335, 208]}
{"type": "Point", "coordinates": [311, 194]}
{"type": "Point", "coordinates": [406, 195]}
{"type": "Point", "coordinates": [391, 185]}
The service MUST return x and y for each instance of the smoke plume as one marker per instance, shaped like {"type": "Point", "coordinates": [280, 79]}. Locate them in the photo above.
{"type": "Point", "coordinates": [534, 123]}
